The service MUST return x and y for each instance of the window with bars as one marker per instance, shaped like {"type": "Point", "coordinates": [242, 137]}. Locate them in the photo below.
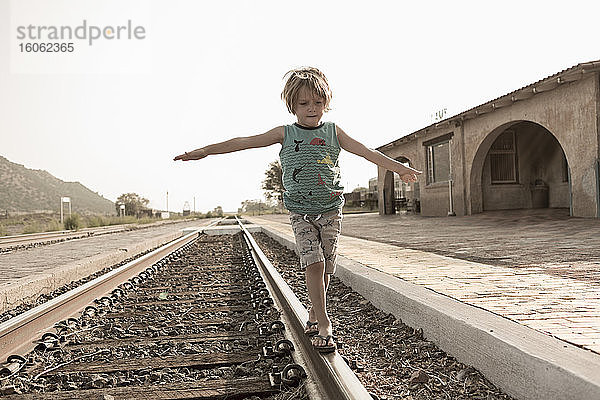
{"type": "Point", "coordinates": [503, 158]}
{"type": "Point", "coordinates": [438, 162]}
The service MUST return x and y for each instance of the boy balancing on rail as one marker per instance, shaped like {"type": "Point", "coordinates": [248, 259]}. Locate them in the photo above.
{"type": "Point", "coordinates": [311, 177]}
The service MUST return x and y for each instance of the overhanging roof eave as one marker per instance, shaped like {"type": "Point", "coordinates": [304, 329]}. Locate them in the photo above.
{"type": "Point", "coordinates": [549, 83]}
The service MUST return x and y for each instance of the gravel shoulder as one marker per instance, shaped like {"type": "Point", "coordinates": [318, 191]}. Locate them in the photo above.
{"type": "Point", "coordinates": [391, 359]}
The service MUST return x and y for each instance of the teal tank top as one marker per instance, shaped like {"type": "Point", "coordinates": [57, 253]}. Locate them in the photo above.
{"type": "Point", "coordinates": [311, 174]}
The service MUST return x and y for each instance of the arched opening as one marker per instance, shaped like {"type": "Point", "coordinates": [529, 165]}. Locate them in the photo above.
{"type": "Point", "coordinates": [399, 196]}
{"type": "Point", "coordinates": [519, 165]}
{"type": "Point", "coordinates": [388, 193]}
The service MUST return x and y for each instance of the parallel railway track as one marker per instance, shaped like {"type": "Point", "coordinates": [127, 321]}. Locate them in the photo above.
{"type": "Point", "coordinates": [17, 240]}
{"type": "Point", "coordinates": [204, 317]}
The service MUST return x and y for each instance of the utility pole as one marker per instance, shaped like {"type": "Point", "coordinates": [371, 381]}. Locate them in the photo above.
{"type": "Point", "coordinates": [167, 201]}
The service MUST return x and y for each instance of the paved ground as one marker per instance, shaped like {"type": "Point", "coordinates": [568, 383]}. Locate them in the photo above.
{"type": "Point", "coordinates": [540, 268]}
{"type": "Point", "coordinates": [24, 263]}
{"type": "Point", "coordinates": [550, 239]}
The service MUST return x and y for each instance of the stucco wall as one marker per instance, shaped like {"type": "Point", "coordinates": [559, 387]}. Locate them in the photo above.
{"type": "Point", "coordinates": [434, 199]}
{"type": "Point", "coordinates": [569, 112]}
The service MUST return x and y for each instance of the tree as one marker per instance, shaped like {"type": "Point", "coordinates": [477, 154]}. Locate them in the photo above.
{"type": "Point", "coordinates": [273, 183]}
{"type": "Point", "coordinates": [254, 207]}
{"type": "Point", "coordinates": [216, 212]}
{"type": "Point", "coordinates": [134, 203]}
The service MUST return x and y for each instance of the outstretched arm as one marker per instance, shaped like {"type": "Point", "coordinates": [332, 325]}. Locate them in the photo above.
{"type": "Point", "coordinates": [407, 174]}
{"type": "Point", "coordinates": [273, 136]}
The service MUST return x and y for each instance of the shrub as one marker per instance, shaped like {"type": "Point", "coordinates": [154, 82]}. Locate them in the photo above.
{"type": "Point", "coordinates": [33, 227]}
{"type": "Point", "coordinates": [95, 221]}
{"type": "Point", "coordinates": [53, 225]}
{"type": "Point", "coordinates": [128, 219]}
{"type": "Point", "coordinates": [72, 223]}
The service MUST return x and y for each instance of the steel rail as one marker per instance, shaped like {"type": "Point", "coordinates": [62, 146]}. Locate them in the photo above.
{"type": "Point", "coordinates": [47, 236]}
{"type": "Point", "coordinates": [32, 237]}
{"type": "Point", "coordinates": [35, 236]}
{"type": "Point", "coordinates": [18, 333]}
{"type": "Point", "coordinates": [332, 378]}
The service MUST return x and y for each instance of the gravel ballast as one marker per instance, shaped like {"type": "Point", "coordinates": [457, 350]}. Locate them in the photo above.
{"type": "Point", "coordinates": [391, 359]}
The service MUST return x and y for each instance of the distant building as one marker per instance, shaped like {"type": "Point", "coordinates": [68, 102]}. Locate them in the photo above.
{"type": "Point", "coordinates": [535, 147]}
{"type": "Point", "coordinates": [363, 197]}
{"type": "Point", "coordinates": [373, 187]}
{"type": "Point", "coordinates": [186, 209]}
{"type": "Point", "coordinates": [145, 212]}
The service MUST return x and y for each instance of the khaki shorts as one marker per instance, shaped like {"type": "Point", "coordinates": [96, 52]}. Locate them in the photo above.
{"type": "Point", "coordinates": [317, 238]}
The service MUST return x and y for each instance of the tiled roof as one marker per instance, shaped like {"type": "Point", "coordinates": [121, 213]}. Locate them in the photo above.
{"type": "Point", "coordinates": [550, 83]}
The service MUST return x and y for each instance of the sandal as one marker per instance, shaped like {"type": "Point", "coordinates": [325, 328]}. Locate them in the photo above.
{"type": "Point", "coordinates": [329, 346]}
{"type": "Point", "coordinates": [311, 328]}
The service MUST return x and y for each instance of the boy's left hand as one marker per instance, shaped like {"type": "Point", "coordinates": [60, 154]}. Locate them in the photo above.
{"type": "Point", "coordinates": [408, 178]}
{"type": "Point", "coordinates": [408, 174]}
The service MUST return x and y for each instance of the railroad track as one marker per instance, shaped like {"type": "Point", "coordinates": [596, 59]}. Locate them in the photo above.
{"type": "Point", "coordinates": [15, 241]}
{"type": "Point", "coordinates": [9, 243]}
{"type": "Point", "coordinates": [204, 317]}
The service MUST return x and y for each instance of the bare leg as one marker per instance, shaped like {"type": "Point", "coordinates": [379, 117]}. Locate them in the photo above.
{"type": "Point", "coordinates": [315, 283]}
{"type": "Point", "coordinates": [311, 313]}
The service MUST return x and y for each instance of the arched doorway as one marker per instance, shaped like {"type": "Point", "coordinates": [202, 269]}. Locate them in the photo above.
{"type": "Point", "coordinates": [519, 165]}
{"type": "Point", "coordinates": [398, 195]}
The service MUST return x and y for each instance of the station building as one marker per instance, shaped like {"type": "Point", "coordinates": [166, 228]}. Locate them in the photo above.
{"type": "Point", "coordinates": [535, 147]}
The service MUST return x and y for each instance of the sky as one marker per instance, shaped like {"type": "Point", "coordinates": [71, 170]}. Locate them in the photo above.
{"type": "Point", "coordinates": [114, 113]}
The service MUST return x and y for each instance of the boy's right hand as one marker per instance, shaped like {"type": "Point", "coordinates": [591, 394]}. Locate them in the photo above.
{"type": "Point", "coordinates": [192, 155]}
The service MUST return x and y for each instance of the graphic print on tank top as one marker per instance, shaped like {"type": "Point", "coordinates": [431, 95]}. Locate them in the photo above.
{"type": "Point", "coordinates": [311, 176]}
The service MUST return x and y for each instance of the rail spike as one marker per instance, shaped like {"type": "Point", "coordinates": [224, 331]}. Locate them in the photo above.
{"type": "Point", "coordinates": [292, 374]}
{"type": "Point", "coordinates": [14, 363]}
{"type": "Point", "coordinates": [276, 326]}
{"type": "Point", "coordinates": [48, 341]}
{"type": "Point", "coordinates": [283, 347]}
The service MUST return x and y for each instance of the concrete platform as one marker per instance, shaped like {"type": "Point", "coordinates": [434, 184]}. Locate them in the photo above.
{"type": "Point", "coordinates": [466, 307]}
{"type": "Point", "coordinates": [229, 229]}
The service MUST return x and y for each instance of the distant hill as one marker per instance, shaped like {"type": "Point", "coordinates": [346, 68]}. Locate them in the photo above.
{"type": "Point", "coordinates": [24, 189]}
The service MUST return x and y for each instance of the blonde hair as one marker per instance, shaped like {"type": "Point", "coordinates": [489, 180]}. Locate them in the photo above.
{"type": "Point", "coordinates": [305, 77]}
